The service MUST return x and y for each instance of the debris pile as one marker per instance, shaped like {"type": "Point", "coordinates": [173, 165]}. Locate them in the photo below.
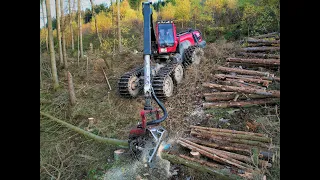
{"type": "Point", "coordinates": [248, 79]}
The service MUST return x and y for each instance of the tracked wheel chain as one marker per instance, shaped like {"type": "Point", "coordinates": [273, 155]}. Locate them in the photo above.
{"type": "Point", "coordinates": [123, 83]}
{"type": "Point", "coordinates": [158, 80]}
{"type": "Point", "coordinates": [187, 55]}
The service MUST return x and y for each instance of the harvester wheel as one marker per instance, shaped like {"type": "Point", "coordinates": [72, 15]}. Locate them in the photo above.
{"type": "Point", "coordinates": [178, 74]}
{"type": "Point", "coordinates": [168, 86]}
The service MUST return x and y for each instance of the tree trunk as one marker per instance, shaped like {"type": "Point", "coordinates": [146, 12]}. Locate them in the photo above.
{"type": "Point", "coordinates": [63, 29]}
{"type": "Point", "coordinates": [59, 31]}
{"type": "Point", "coordinates": [215, 157]}
{"type": "Point", "coordinates": [218, 173]}
{"type": "Point", "coordinates": [259, 81]}
{"type": "Point", "coordinates": [238, 135]}
{"type": "Point", "coordinates": [273, 34]}
{"type": "Point", "coordinates": [117, 142]}
{"type": "Point", "coordinates": [273, 93]}
{"type": "Point", "coordinates": [228, 131]}
{"type": "Point", "coordinates": [72, 95]}
{"type": "Point", "coordinates": [260, 77]}
{"type": "Point", "coordinates": [229, 155]}
{"type": "Point", "coordinates": [44, 25]}
{"type": "Point", "coordinates": [70, 23]}
{"type": "Point", "coordinates": [243, 71]}
{"type": "Point", "coordinates": [255, 61]}
{"type": "Point", "coordinates": [262, 41]}
{"type": "Point", "coordinates": [249, 103]}
{"type": "Point", "coordinates": [219, 146]}
{"type": "Point", "coordinates": [80, 28]}
{"type": "Point", "coordinates": [230, 140]}
{"type": "Point", "coordinates": [41, 83]}
{"type": "Point", "coordinates": [95, 22]}
{"type": "Point", "coordinates": [119, 28]}
{"type": "Point", "coordinates": [51, 46]}
{"type": "Point", "coordinates": [260, 49]}
{"type": "Point", "coordinates": [260, 55]}
{"type": "Point", "coordinates": [231, 97]}
{"type": "Point", "coordinates": [218, 94]}
{"type": "Point", "coordinates": [245, 84]}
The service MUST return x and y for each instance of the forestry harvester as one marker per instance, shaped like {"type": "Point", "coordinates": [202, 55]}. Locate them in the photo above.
{"type": "Point", "coordinates": [166, 53]}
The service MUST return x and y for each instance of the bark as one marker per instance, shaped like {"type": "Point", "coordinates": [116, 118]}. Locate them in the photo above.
{"type": "Point", "coordinates": [234, 135]}
{"type": "Point", "coordinates": [119, 28]}
{"type": "Point", "coordinates": [80, 28]}
{"type": "Point", "coordinates": [95, 21]}
{"type": "Point", "coordinates": [260, 55]}
{"type": "Point", "coordinates": [44, 25]}
{"type": "Point", "coordinates": [63, 29]}
{"type": "Point", "coordinates": [255, 61]}
{"type": "Point", "coordinates": [51, 47]}
{"type": "Point", "coordinates": [228, 131]}
{"type": "Point", "coordinates": [243, 71]}
{"type": "Point", "coordinates": [273, 34]}
{"type": "Point", "coordinates": [72, 95]}
{"type": "Point", "coordinates": [260, 49]}
{"type": "Point", "coordinates": [250, 103]}
{"type": "Point", "coordinates": [59, 31]}
{"type": "Point", "coordinates": [218, 173]}
{"type": "Point", "coordinates": [70, 23]}
{"type": "Point", "coordinates": [230, 140]}
{"type": "Point", "coordinates": [272, 93]}
{"type": "Point", "coordinates": [259, 81]}
{"type": "Point", "coordinates": [117, 142]}
{"type": "Point", "coordinates": [214, 156]}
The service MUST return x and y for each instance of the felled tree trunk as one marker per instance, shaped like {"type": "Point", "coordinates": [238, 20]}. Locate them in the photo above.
{"type": "Point", "coordinates": [117, 142]}
{"type": "Point", "coordinates": [243, 71]}
{"type": "Point", "coordinates": [250, 103]}
{"type": "Point", "coordinates": [260, 49]}
{"type": "Point", "coordinates": [273, 34]}
{"type": "Point", "coordinates": [253, 40]}
{"type": "Point", "coordinates": [259, 55]}
{"type": "Point", "coordinates": [273, 93]}
{"type": "Point", "coordinates": [258, 80]}
{"type": "Point", "coordinates": [255, 61]}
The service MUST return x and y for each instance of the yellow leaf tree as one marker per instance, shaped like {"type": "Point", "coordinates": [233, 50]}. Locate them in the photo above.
{"type": "Point", "coordinates": [182, 11]}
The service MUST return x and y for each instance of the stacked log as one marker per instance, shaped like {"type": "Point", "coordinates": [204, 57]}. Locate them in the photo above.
{"type": "Point", "coordinates": [249, 81]}
{"type": "Point", "coordinates": [242, 152]}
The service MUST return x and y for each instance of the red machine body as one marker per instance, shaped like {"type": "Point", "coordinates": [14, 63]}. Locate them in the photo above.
{"type": "Point", "coordinates": [141, 130]}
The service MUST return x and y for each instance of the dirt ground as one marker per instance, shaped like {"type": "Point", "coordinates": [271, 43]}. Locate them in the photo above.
{"type": "Point", "coordinates": [66, 155]}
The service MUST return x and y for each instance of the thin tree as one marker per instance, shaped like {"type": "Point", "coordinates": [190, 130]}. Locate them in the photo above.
{"type": "Point", "coordinates": [51, 47]}
{"type": "Point", "coordinates": [119, 29]}
{"type": "Point", "coordinates": [95, 21]}
{"type": "Point", "coordinates": [70, 22]}
{"type": "Point", "coordinates": [63, 29]}
{"type": "Point", "coordinates": [59, 31]}
{"type": "Point", "coordinates": [80, 28]}
{"type": "Point", "coordinates": [42, 2]}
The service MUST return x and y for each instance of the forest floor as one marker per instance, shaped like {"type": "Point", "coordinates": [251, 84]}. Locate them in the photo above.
{"type": "Point", "coordinates": [66, 155]}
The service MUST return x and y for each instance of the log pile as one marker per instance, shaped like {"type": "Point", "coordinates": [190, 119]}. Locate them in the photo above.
{"type": "Point", "coordinates": [246, 80]}
{"type": "Point", "coordinates": [245, 154]}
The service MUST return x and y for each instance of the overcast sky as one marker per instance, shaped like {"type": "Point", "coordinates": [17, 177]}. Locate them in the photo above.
{"type": "Point", "coordinates": [84, 4]}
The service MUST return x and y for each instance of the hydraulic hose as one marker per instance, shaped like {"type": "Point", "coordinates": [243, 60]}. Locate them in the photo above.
{"type": "Point", "coordinates": [165, 113]}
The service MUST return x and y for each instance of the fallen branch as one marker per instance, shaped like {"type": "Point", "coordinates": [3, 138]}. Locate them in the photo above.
{"type": "Point", "coordinates": [117, 142]}
{"type": "Point", "coordinates": [273, 93]}
{"type": "Point", "coordinates": [255, 61]}
{"type": "Point", "coordinates": [106, 79]}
